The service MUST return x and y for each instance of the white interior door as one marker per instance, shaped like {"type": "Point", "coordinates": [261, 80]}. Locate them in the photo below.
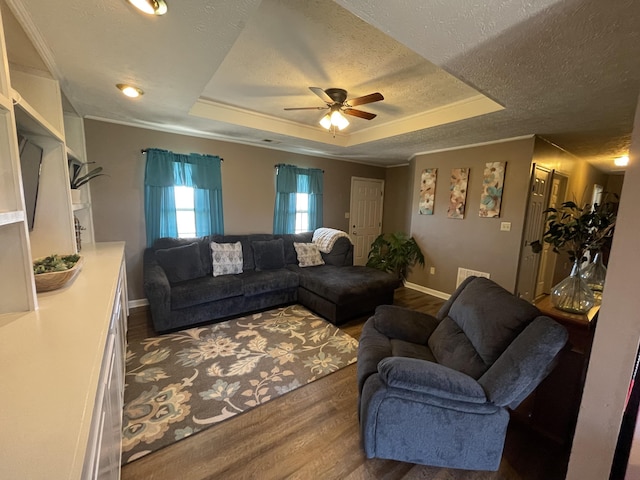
{"type": "Point", "coordinates": [533, 230]}
{"type": "Point", "coordinates": [548, 257]}
{"type": "Point", "coordinates": [367, 196]}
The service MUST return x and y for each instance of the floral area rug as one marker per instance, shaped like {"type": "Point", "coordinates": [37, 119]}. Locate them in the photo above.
{"type": "Point", "coordinates": [181, 383]}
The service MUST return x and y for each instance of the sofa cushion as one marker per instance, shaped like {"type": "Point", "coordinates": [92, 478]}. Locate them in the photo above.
{"type": "Point", "coordinates": [308, 254]}
{"type": "Point", "coordinates": [258, 282]}
{"type": "Point", "coordinates": [203, 243]}
{"type": "Point", "coordinates": [245, 240]}
{"type": "Point", "coordinates": [205, 289]}
{"type": "Point", "coordinates": [453, 349]}
{"type": "Point", "coordinates": [490, 317]}
{"type": "Point", "coordinates": [269, 254]}
{"type": "Point", "coordinates": [343, 284]}
{"type": "Point", "coordinates": [227, 258]}
{"type": "Point", "coordinates": [290, 256]}
{"type": "Point", "coordinates": [181, 263]}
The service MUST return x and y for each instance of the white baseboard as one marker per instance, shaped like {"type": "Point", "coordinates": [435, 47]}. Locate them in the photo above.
{"type": "Point", "coordinates": [141, 302]}
{"type": "Point", "coordinates": [428, 291]}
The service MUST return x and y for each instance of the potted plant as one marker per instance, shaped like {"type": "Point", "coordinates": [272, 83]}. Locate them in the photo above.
{"type": "Point", "coordinates": [77, 179]}
{"type": "Point", "coordinates": [575, 230]}
{"type": "Point", "coordinates": [395, 253]}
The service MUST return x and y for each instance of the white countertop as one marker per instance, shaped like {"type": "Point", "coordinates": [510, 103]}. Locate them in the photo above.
{"type": "Point", "coordinates": [49, 369]}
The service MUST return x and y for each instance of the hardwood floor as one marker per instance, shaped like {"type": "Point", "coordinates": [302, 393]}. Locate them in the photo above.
{"type": "Point", "coordinates": [313, 433]}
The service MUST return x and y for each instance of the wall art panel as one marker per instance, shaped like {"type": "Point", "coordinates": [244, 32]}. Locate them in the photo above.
{"type": "Point", "coordinates": [428, 191]}
{"type": "Point", "coordinates": [492, 185]}
{"type": "Point", "coordinates": [458, 188]}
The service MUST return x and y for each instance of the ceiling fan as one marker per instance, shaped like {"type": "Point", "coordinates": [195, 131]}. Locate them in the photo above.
{"type": "Point", "coordinates": [336, 101]}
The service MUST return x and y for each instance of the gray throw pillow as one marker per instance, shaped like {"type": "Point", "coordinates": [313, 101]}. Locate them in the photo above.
{"type": "Point", "coordinates": [181, 263]}
{"type": "Point", "coordinates": [227, 258]}
{"type": "Point", "coordinates": [268, 254]}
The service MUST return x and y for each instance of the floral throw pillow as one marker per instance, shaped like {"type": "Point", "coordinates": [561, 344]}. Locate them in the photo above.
{"type": "Point", "coordinates": [308, 254]}
{"type": "Point", "coordinates": [227, 258]}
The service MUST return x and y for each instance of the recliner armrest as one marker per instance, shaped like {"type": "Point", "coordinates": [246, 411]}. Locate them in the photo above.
{"type": "Point", "coordinates": [525, 363]}
{"type": "Point", "coordinates": [430, 378]}
{"type": "Point", "coordinates": [404, 324]}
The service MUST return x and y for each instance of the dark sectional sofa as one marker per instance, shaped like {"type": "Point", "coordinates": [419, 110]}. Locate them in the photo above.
{"type": "Point", "coordinates": [182, 291]}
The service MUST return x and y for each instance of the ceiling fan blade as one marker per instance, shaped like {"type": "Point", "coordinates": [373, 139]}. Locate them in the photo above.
{"type": "Point", "coordinates": [359, 113]}
{"type": "Point", "coordinates": [372, 97]}
{"type": "Point", "coordinates": [322, 94]}
{"type": "Point", "coordinates": [306, 108]}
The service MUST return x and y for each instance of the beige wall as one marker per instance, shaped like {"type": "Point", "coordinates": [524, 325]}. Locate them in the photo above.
{"type": "Point", "coordinates": [614, 184]}
{"type": "Point", "coordinates": [397, 200]}
{"type": "Point", "coordinates": [616, 338]}
{"type": "Point", "coordinates": [247, 176]}
{"type": "Point", "coordinates": [582, 177]}
{"type": "Point", "coordinates": [473, 242]}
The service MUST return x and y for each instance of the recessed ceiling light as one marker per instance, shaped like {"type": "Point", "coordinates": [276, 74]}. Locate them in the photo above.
{"type": "Point", "coordinates": [129, 90]}
{"type": "Point", "coordinates": [151, 7]}
{"type": "Point", "coordinates": [621, 161]}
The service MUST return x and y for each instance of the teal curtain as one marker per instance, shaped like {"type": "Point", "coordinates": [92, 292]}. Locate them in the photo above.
{"type": "Point", "coordinates": [289, 181]}
{"type": "Point", "coordinates": [163, 171]}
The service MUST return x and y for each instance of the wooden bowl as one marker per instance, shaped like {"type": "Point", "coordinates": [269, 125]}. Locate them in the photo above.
{"type": "Point", "coordinates": [45, 282]}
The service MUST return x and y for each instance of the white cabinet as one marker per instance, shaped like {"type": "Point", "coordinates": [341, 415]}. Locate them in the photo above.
{"type": "Point", "coordinates": [62, 371]}
{"type": "Point", "coordinates": [103, 456]}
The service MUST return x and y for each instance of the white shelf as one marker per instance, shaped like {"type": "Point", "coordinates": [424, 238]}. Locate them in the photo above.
{"type": "Point", "coordinates": [80, 206]}
{"type": "Point", "coordinates": [30, 121]}
{"type": "Point", "coordinates": [8, 218]}
{"type": "Point", "coordinates": [5, 102]}
{"type": "Point", "coordinates": [73, 155]}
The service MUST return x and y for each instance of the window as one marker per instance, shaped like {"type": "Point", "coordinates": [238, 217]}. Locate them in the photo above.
{"type": "Point", "coordinates": [185, 212]}
{"type": "Point", "coordinates": [302, 212]}
{"type": "Point", "coordinates": [182, 195]}
{"type": "Point", "coordinates": [298, 206]}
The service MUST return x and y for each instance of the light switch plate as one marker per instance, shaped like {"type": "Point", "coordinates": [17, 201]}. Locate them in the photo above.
{"type": "Point", "coordinates": [505, 226]}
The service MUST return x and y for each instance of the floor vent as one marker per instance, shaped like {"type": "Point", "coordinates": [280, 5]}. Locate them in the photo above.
{"type": "Point", "coordinates": [466, 272]}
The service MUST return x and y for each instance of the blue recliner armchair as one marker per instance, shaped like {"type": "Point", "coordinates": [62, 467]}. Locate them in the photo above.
{"type": "Point", "coordinates": [436, 391]}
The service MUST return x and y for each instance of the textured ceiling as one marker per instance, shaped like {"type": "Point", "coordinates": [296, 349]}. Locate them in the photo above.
{"type": "Point", "coordinates": [452, 72]}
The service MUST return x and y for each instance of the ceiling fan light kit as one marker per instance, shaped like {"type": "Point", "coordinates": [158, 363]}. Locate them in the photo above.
{"type": "Point", "coordinates": [150, 7]}
{"type": "Point", "coordinates": [334, 119]}
{"type": "Point", "coordinates": [336, 101]}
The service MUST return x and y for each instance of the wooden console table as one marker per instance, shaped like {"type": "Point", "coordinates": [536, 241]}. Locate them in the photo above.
{"type": "Point", "coordinates": [552, 409]}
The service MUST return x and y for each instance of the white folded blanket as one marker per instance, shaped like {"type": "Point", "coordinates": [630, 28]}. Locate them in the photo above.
{"type": "Point", "coordinates": [325, 238]}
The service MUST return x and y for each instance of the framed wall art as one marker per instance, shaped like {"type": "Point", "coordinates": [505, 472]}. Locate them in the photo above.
{"type": "Point", "coordinates": [427, 191]}
{"type": "Point", "coordinates": [458, 189]}
{"type": "Point", "coordinates": [492, 185]}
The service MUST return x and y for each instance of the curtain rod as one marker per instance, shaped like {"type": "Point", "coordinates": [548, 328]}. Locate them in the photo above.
{"type": "Point", "coordinates": [309, 168]}
{"type": "Point", "coordinates": [144, 150]}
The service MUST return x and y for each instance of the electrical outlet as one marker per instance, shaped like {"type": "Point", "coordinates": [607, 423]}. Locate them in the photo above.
{"type": "Point", "coordinates": [505, 226]}
{"type": "Point", "coordinates": [432, 270]}
{"type": "Point", "coordinates": [346, 215]}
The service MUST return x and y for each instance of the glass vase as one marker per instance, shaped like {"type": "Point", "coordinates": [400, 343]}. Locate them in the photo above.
{"type": "Point", "coordinates": [572, 294]}
{"type": "Point", "coordinates": [594, 274]}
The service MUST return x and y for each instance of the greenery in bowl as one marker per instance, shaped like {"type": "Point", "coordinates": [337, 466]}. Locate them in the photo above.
{"type": "Point", "coordinates": [395, 253]}
{"type": "Point", "coordinates": [55, 263]}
